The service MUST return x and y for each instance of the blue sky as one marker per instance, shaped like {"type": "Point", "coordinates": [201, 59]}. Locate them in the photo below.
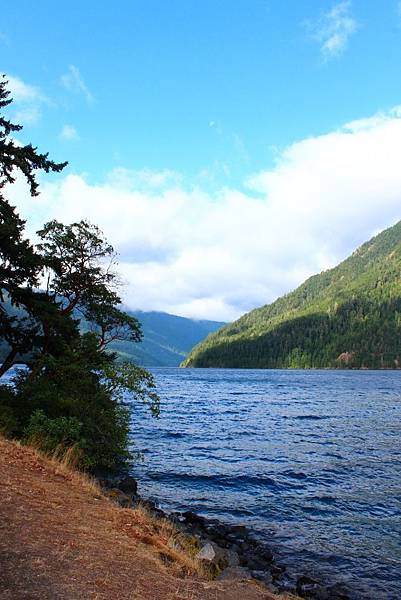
{"type": "Point", "coordinates": [167, 98]}
{"type": "Point", "coordinates": [189, 85]}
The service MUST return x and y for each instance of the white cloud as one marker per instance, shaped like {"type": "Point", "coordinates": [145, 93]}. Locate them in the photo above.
{"type": "Point", "coordinates": [28, 100]}
{"type": "Point", "coordinates": [28, 115]}
{"type": "Point", "coordinates": [21, 91]}
{"type": "Point", "coordinates": [74, 82]}
{"type": "Point", "coordinates": [218, 255]}
{"type": "Point", "coordinates": [334, 29]}
{"type": "Point", "coordinates": [144, 179]}
{"type": "Point", "coordinates": [69, 134]}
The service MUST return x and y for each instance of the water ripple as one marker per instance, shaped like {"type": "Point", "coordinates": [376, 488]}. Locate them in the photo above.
{"type": "Point", "coordinates": [313, 456]}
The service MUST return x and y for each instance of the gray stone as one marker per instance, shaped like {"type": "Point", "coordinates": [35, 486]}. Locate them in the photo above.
{"type": "Point", "coordinates": [230, 573]}
{"type": "Point", "coordinates": [213, 554]}
{"type": "Point", "coordinates": [207, 552]}
{"type": "Point", "coordinates": [232, 558]}
{"type": "Point", "coordinates": [264, 576]}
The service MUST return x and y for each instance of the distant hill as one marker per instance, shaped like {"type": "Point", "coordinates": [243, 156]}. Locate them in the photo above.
{"type": "Point", "coordinates": [349, 316]}
{"type": "Point", "coordinates": [167, 338]}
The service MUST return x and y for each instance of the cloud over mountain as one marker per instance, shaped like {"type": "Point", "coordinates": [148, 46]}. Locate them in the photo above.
{"type": "Point", "coordinates": [215, 256]}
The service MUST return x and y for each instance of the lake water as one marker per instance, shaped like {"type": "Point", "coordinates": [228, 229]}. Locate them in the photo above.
{"type": "Point", "coordinates": [309, 460]}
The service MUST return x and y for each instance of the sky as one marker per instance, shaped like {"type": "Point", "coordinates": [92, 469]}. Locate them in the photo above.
{"type": "Point", "coordinates": [228, 150]}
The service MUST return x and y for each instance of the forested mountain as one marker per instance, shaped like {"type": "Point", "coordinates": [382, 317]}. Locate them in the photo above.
{"type": "Point", "coordinates": [347, 317]}
{"type": "Point", "coordinates": [167, 339]}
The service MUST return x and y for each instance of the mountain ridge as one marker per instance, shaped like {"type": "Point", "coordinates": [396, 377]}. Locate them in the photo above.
{"type": "Point", "coordinates": [167, 338]}
{"type": "Point", "coordinates": [348, 316]}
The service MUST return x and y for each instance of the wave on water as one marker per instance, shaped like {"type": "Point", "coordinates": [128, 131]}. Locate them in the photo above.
{"type": "Point", "coordinates": [326, 479]}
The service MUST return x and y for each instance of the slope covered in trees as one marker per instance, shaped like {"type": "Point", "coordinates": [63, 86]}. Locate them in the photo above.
{"type": "Point", "coordinates": [167, 339]}
{"type": "Point", "coordinates": [346, 317]}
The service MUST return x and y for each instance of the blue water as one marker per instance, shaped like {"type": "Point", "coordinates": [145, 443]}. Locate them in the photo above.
{"type": "Point", "coordinates": [309, 460]}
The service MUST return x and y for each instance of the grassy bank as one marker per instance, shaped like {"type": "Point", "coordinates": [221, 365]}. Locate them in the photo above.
{"type": "Point", "coordinates": [61, 538]}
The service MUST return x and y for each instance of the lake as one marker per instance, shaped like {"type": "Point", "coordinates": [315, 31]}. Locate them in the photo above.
{"type": "Point", "coordinates": [308, 460]}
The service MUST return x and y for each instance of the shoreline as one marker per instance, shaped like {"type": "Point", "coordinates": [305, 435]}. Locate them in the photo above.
{"type": "Point", "coordinates": [64, 538]}
{"type": "Point", "coordinates": [230, 551]}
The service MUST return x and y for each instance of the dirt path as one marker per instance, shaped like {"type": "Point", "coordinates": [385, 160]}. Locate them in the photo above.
{"type": "Point", "coordinates": [61, 540]}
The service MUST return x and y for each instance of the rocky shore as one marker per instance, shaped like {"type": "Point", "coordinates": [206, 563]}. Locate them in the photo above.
{"type": "Point", "coordinates": [228, 551]}
{"type": "Point", "coordinates": [61, 537]}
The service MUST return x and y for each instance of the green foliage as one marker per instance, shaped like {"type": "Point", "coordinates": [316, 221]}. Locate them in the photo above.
{"type": "Point", "coordinates": [72, 391]}
{"type": "Point", "coordinates": [20, 264]}
{"type": "Point", "coordinates": [348, 317]}
{"type": "Point", "coordinates": [52, 434]}
{"type": "Point", "coordinates": [167, 339]}
{"type": "Point", "coordinates": [14, 157]}
{"type": "Point", "coordinates": [8, 420]}
{"type": "Point", "coordinates": [120, 377]}
{"type": "Point", "coordinates": [82, 390]}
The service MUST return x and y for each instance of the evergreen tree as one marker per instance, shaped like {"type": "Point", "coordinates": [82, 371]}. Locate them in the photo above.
{"type": "Point", "coordinates": [73, 390]}
{"type": "Point", "coordinates": [20, 265]}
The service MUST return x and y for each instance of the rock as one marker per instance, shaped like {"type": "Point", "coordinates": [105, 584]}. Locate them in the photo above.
{"type": "Point", "coordinates": [230, 573]}
{"type": "Point", "coordinates": [194, 524]}
{"type": "Point", "coordinates": [239, 530]}
{"type": "Point", "coordinates": [220, 557]}
{"type": "Point", "coordinates": [263, 576]}
{"type": "Point", "coordinates": [277, 570]}
{"type": "Point", "coordinates": [193, 518]}
{"type": "Point", "coordinates": [218, 533]}
{"type": "Point", "coordinates": [338, 592]}
{"type": "Point", "coordinates": [119, 497]}
{"type": "Point", "coordinates": [232, 558]}
{"type": "Point", "coordinates": [128, 485]}
{"type": "Point", "coordinates": [261, 553]}
{"type": "Point", "coordinates": [321, 592]}
{"type": "Point", "coordinates": [285, 585]}
{"type": "Point", "coordinates": [152, 507]}
{"type": "Point", "coordinates": [207, 552]}
{"type": "Point", "coordinates": [253, 554]}
{"type": "Point", "coordinates": [307, 587]}
{"type": "Point", "coordinates": [106, 483]}
{"type": "Point", "coordinates": [212, 553]}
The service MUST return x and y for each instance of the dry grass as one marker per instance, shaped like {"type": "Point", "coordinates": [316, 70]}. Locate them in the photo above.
{"type": "Point", "coordinates": [170, 544]}
{"type": "Point", "coordinates": [61, 539]}
{"type": "Point", "coordinates": [176, 545]}
{"type": "Point", "coordinates": [64, 462]}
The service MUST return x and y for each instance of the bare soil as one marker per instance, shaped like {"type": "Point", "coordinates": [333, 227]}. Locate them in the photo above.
{"type": "Point", "coordinates": [60, 539]}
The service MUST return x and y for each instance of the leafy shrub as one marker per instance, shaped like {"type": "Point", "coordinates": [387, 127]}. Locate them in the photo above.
{"type": "Point", "coordinates": [70, 394]}
{"type": "Point", "coordinates": [8, 422]}
{"type": "Point", "coordinates": [67, 401]}
{"type": "Point", "coordinates": [8, 419]}
{"type": "Point", "coordinates": [51, 435]}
